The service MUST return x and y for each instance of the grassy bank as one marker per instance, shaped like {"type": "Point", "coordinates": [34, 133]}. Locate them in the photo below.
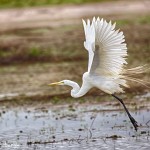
{"type": "Point", "coordinates": [29, 3]}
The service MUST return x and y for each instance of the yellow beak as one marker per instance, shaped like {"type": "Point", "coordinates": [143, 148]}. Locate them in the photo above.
{"type": "Point", "coordinates": [56, 83]}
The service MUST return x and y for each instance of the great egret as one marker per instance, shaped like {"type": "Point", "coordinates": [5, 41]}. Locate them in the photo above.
{"type": "Point", "coordinates": [107, 59]}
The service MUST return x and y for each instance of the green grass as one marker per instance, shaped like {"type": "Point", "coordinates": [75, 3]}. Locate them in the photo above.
{"type": "Point", "coordinates": [27, 3]}
{"type": "Point", "coordinates": [136, 21]}
{"type": "Point", "coordinates": [143, 20]}
{"type": "Point", "coordinates": [35, 52]}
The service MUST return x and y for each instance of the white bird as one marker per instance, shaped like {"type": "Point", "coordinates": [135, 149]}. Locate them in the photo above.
{"type": "Point", "coordinates": [107, 60]}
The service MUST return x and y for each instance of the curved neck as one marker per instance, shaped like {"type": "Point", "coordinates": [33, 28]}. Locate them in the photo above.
{"type": "Point", "coordinates": [76, 90]}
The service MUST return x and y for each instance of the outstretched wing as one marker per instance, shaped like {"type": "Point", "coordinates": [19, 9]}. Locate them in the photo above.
{"type": "Point", "coordinates": [89, 44]}
{"type": "Point", "coordinates": [106, 47]}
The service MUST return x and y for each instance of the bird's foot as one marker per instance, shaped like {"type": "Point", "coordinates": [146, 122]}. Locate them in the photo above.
{"type": "Point", "coordinates": [134, 122]}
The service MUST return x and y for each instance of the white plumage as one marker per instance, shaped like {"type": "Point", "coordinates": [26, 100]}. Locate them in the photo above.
{"type": "Point", "coordinates": [107, 54]}
{"type": "Point", "coordinates": [107, 59]}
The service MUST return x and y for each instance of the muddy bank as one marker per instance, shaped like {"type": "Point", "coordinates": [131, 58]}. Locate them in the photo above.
{"type": "Point", "coordinates": [31, 81]}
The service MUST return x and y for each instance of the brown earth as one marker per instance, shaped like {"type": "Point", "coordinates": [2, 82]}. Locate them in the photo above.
{"type": "Point", "coordinates": [42, 45]}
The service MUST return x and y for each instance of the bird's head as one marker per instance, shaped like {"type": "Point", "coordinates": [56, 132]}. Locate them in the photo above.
{"type": "Point", "coordinates": [64, 82]}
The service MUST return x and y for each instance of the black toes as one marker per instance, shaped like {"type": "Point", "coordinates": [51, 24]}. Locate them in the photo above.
{"type": "Point", "coordinates": [134, 122]}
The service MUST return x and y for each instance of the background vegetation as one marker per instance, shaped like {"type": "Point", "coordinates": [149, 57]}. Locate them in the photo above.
{"type": "Point", "coordinates": [27, 3]}
{"type": "Point", "coordinates": [47, 45]}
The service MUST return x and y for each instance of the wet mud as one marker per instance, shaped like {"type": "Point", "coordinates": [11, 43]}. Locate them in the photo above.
{"type": "Point", "coordinates": [102, 125]}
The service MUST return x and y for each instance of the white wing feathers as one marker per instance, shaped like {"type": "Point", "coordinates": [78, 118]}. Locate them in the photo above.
{"type": "Point", "coordinates": [106, 49]}
{"type": "Point", "coordinates": [90, 40]}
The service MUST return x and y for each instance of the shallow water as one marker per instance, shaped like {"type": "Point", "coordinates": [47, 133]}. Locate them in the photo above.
{"type": "Point", "coordinates": [63, 127]}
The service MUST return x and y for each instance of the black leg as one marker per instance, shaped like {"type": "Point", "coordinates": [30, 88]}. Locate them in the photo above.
{"type": "Point", "coordinates": [133, 121]}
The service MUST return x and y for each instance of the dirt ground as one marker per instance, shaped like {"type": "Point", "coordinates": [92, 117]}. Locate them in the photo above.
{"type": "Point", "coordinates": [69, 14]}
{"type": "Point", "coordinates": [31, 36]}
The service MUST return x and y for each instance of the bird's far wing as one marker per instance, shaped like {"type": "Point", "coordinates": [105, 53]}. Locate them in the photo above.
{"type": "Point", "coordinates": [110, 50]}
{"type": "Point", "coordinates": [89, 42]}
